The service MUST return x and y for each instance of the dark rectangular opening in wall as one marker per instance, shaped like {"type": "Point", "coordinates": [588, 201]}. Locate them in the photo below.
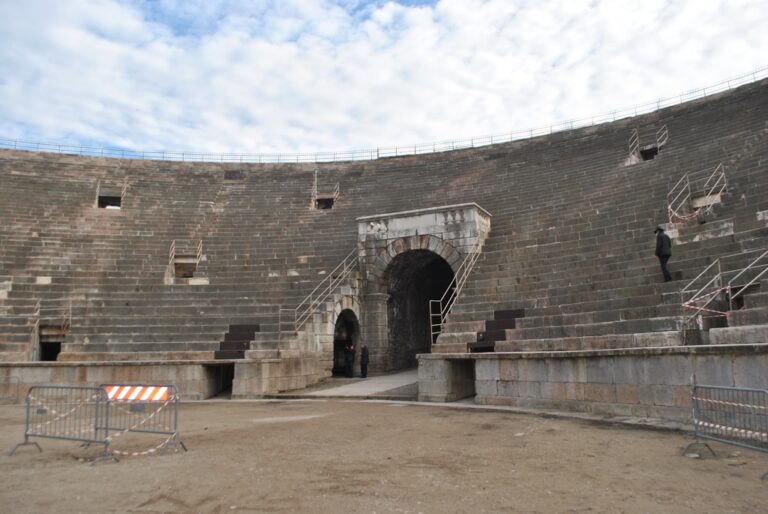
{"type": "Point", "coordinates": [649, 152]}
{"type": "Point", "coordinates": [49, 351]}
{"type": "Point", "coordinates": [110, 202]}
{"type": "Point", "coordinates": [324, 203]}
{"type": "Point", "coordinates": [220, 378]}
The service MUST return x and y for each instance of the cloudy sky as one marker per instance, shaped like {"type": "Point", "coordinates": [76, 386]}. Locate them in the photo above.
{"type": "Point", "coordinates": [309, 75]}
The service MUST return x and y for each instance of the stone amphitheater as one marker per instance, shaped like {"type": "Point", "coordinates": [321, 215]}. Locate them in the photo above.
{"type": "Point", "coordinates": [520, 274]}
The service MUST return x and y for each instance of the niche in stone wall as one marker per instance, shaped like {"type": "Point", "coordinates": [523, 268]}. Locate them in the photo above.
{"type": "Point", "coordinates": [110, 196]}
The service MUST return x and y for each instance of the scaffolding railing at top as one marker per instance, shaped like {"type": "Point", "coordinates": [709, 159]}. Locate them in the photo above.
{"type": "Point", "coordinates": [389, 151]}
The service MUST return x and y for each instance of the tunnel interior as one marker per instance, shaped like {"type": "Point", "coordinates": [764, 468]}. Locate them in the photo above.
{"type": "Point", "coordinates": [346, 332]}
{"type": "Point", "coordinates": [413, 278]}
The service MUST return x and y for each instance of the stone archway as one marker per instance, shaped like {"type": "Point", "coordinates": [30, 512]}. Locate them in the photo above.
{"type": "Point", "coordinates": [444, 234]}
{"type": "Point", "coordinates": [414, 277]}
{"type": "Point", "coordinates": [402, 279]}
{"type": "Point", "coordinates": [346, 332]}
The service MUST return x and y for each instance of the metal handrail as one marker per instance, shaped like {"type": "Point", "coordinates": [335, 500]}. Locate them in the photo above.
{"type": "Point", "coordinates": [392, 151]}
{"type": "Point", "coordinates": [706, 293]}
{"type": "Point", "coordinates": [731, 283]}
{"type": "Point", "coordinates": [676, 204]}
{"type": "Point", "coordinates": [34, 336]}
{"type": "Point", "coordinates": [307, 307]}
{"type": "Point", "coordinates": [335, 193]}
{"type": "Point", "coordinates": [440, 309]}
{"type": "Point", "coordinates": [634, 142]}
{"type": "Point", "coordinates": [662, 136]}
{"type": "Point", "coordinates": [715, 184]}
{"type": "Point", "coordinates": [122, 193]}
{"type": "Point", "coordinates": [709, 291]}
{"type": "Point", "coordinates": [718, 175]}
{"type": "Point", "coordinates": [66, 314]}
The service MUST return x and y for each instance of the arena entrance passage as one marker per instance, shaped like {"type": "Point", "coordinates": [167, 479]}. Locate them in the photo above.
{"type": "Point", "coordinates": [406, 259]}
{"type": "Point", "coordinates": [414, 278]}
{"type": "Point", "coordinates": [346, 332]}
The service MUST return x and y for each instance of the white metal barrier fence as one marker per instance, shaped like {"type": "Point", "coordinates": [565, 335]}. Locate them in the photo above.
{"type": "Point", "coordinates": [101, 415]}
{"type": "Point", "coordinates": [730, 415]}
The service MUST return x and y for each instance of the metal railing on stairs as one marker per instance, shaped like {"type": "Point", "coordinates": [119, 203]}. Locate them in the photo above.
{"type": "Point", "coordinates": [634, 142]}
{"type": "Point", "coordinates": [297, 317]}
{"type": "Point", "coordinates": [710, 295]}
{"type": "Point", "coordinates": [34, 336]}
{"type": "Point", "coordinates": [747, 277]}
{"type": "Point", "coordinates": [681, 194]}
{"type": "Point", "coordinates": [661, 136]}
{"type": "Point", "coordinates": [440, 309]}
{"type": "Point", "coordinates": [334, 194]}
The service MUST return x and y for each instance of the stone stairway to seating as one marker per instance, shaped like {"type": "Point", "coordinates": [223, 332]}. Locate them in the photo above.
{"type": "Point", "coordinates": [236, 341]}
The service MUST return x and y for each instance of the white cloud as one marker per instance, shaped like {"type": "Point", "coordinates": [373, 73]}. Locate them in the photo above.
{"type": "Point", "coordinates": [320, 75]}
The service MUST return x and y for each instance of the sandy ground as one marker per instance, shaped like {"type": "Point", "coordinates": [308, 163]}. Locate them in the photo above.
{"type": "Point", "coordinates": [334, 456]}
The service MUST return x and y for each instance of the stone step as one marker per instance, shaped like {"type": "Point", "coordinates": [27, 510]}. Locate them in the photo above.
{"type": "Point", "coordinates": [600, 342]}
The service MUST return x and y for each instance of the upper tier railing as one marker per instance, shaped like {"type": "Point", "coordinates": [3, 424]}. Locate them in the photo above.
{"type": "Point", "coordinates": [390, 151]}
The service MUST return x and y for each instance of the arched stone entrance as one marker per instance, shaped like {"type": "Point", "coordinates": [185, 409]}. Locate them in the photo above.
{"type": "Point", "coordinates": [346, 331]}
{"type": "Point", "coordinates": [413, 278]}
{"type": "Point", "coordinates": [404, 261]}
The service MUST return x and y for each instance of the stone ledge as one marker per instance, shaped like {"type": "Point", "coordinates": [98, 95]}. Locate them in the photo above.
{"type": "Point", "coordinates": [64, 364]}
{"type": "Point", "coordinates": [656, 350]}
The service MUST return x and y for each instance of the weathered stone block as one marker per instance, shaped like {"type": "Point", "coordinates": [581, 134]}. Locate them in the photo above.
{"type": "Point", "coordinates": [750, 371]}
{"type": "Point", "coordinates": [627, 393]}
{"type": "Point", "coordinates": [487, 369]}
{"type": "Point", "coordinates": [508, 369]}
{"type": "Point", "coordinates": [600, 392]}
{"type": "Point", "coordinates": [486, 387]}
{"type": "Point", "coordinates": [714, 370]}
{"type": "Point", "coordinates": [668, 369]}
{"type": "Point", "coordinates": [600, 370]}
{"type": "Point", "coordinates": [532, 369]}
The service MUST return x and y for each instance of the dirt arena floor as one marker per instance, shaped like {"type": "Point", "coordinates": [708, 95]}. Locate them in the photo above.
{"type": "Point", "coordinates": [333, 456]}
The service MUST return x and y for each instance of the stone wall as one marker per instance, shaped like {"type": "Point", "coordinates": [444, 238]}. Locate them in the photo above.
{"type": "Point", "coordinates": [645, 382]}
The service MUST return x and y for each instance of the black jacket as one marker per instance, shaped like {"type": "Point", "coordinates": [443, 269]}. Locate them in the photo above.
{"type": "Point", "coordinates": [663, 245]}
{"type": "Point", "coordinates": [364, 355]}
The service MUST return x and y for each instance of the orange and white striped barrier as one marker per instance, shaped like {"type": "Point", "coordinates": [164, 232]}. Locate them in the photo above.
{"type": "Point", "coordinates": [142, 393]}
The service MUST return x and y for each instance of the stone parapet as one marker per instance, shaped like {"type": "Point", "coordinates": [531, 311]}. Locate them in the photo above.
{"type": "Point", "coordinates": [639, 382]}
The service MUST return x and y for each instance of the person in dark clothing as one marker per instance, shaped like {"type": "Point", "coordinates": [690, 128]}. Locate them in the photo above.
{"type": "Point", "coordinates": [663, 251]}
{"type": "Point", "coordinates": [364, 360]}
{"type": "Point", "coordinates": [349, 360]}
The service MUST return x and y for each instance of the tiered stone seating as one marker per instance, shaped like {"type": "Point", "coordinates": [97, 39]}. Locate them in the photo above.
{"type": "Point", "coordinates": [581, 264]}
{"type": "Point", "coordinates": [571, 241]}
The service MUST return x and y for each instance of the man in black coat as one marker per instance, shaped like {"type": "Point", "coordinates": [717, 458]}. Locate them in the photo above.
{"type": "Point", "coordinates": [364, 360]}
{"type": "Point", "coordinates": [349, 359]}
{"type": "Point", "coordinates": [663, 251]}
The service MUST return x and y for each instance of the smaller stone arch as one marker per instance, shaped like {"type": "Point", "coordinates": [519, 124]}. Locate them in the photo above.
{"type": "Point", "coordinates": [346, 333]}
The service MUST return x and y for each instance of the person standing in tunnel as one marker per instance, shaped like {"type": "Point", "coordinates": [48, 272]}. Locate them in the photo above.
{"type": "Point", "coordinates": [364, 360]}
{"type": "Point", "coordinates": [349, 359]}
